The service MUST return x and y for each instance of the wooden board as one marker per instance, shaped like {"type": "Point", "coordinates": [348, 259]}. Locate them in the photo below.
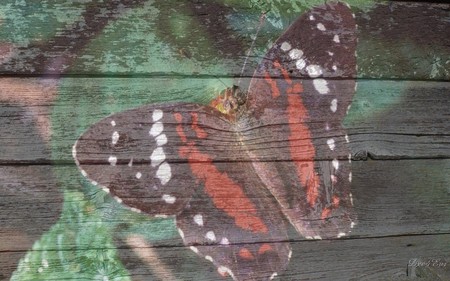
{"type": "Point", "coordinates": [396, 40]}
{"type": "Point", "coordinates": [404, 203]}
{"type": "Point", "coordinates": [66, 65]}
{"type": "Point", "coordinates": [385, 115]}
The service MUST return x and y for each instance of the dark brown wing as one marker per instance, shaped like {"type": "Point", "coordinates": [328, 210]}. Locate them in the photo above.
{"type": "Point", "coordinates": [300, 95]}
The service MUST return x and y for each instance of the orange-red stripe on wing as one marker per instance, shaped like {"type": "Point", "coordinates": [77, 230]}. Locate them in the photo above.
{"type": "Point", "coordinates": [226, 194]}
{"type": "Point", "coordinates": [300, 143]}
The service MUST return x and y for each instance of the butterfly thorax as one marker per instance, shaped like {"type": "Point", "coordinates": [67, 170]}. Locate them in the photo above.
{"type": "Point", "coordinates": [230, 102]}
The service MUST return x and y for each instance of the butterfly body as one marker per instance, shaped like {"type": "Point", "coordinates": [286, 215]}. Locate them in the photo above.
{"type": "Point", "coordinates": [235, 171]}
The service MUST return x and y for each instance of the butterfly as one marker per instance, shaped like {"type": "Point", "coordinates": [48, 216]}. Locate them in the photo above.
{"type": "Point", "coordinates": [235, 172]}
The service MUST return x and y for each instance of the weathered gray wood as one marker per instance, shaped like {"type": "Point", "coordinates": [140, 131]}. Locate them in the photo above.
{"type": "Point", "coordinates": [384, 258]}
{"type": "Point", "coordinates": [401, 128]}
{"type": "Point", "coordinates": [396, 40]}
{"type": "Point", "coordinates": [30, 203]}
{"type": "Point", "coordinates": [402, 198]}
{"type": "Point", "coordinates": [388, 120]}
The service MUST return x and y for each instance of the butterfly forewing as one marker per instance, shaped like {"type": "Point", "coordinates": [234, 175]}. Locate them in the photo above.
{"type": "Point", "coordinates": [135, 154]}
{"type": "Point", "coordinates": [303, 87]}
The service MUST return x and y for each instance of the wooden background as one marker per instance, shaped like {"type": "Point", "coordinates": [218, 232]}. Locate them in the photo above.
{"type": "Point", "coordinates": [66, 65]}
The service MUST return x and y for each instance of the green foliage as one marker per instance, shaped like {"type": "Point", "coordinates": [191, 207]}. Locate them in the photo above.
{"type": "Point", "coordinates": [78, 247]}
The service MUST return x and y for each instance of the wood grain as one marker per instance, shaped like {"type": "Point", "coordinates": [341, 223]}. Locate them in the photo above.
{"type": "Point", "coordinates": [396, 41]}
{"type": "Point", "coordinates": [65, 66]}
{"type": "Point", "coordinates": [396, 120]}
{"type": "Point", "coordinates": [405, 202]}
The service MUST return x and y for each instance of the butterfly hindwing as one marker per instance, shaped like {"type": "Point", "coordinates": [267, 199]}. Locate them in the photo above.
{"type": "Point", "coordinates": [303, 88]}
{"type": "Point", "coordinates": [235, 223]}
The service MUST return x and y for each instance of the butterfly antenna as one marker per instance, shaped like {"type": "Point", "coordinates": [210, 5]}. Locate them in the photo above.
{"type": "Point", "coordinates": [262, 19]}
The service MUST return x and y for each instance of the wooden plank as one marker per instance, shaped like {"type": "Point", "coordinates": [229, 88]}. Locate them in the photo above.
{"type": "Point", "coordinates": [414, 192]}
{"type": "Point", "coordinates": [140, 38]}
{"type": "Point", "coordinates": [388, 119]}
{"type": "Point", "coordinates": [402, 214]}
{"type": "Point", "coordinates": [31, 202]}
{"type": "Point", "coordinates": [385, 258]}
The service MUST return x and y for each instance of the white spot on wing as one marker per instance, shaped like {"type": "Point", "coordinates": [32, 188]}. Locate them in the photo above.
{"type": "Point", "coordinates": [224, 241]}
{"type": "Point", "coordinates": [210, 235]}
{"type": "Point", "coordinates": [333, 179]}
{"type": "Point", "coordinates": [295, 54]}
{"type": "Point", "coordinates": [158, 156]}
{"type": "Point", "coordinates": [156, 129]}
{"type": "Point", "coordinates": [194, 249]}
{"type": "Point", "coordinates": [335, 163]}
{"type": "Point", "coordinates": [347, 140]}
{"type": "Point", "coordinates": [198, 219]}
{"type": "Point", "coordinates": [161, 140]}
{"type": "Point", "coordinates": [157, 114]}
{"type": "Point", "coordinates": [331, 144]}
{"type": "Point", "coordinates": [352, 224]}
{"type": "Point", "coordinates": [209, 258]}
{"type": "Point", "coordinates": [138, 175]}
{"type": "Point", "coordinates": [321, 27]}
{"type": "Point", "coordinates": [113, 123]}
{"type": "Point", "coordinates": [136, 210]}
{"type": "Point", "coordinates": [181, 233]}
{"type": "Point", "coordinates": [348, 109]}
{"type": "Point", "coordinates": [273, 275]}
{"type": "Point", "coordinates": [223, 270]}
{"type": "Point", "coordinates": [285, 46]}
{"type": "Point", "coordinates": [130, 164]}
{"type": "Point", "coordinates": [340, 234]}
{"type": "Point", "coordinates": [314, 70]}
{"type": "Point", "coordinates": [318, 237]}
{"type": "Point", "coordinates": [300, 64]}
{"type": "Point", "coordinates": [112, 160]}
{"type": "Point", "coordinates": [330, 53]}
{"type": "Point", "coordinates": [321, 86]}
{"type": "Point", "coordinates": [83, 172]}
{"type": "Point", "coordinates": [115, 137]}
{"type": "Point", "coordinates": [336, 38]}
{"type": "Point", "coordinates": [164, 173]}
{"type": "Point", "coordinates": [118, 199]}
{"type": "Point", "coordinates": [74, 152]}
{"type": "Point", "coordinates": [350, 177]}
{"type": "Point", "coordinates": [333, 105]}
{"type": "Point", "coordinates": [311, 17]}
{"type": "Point", "coordinates": [169, 199]}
